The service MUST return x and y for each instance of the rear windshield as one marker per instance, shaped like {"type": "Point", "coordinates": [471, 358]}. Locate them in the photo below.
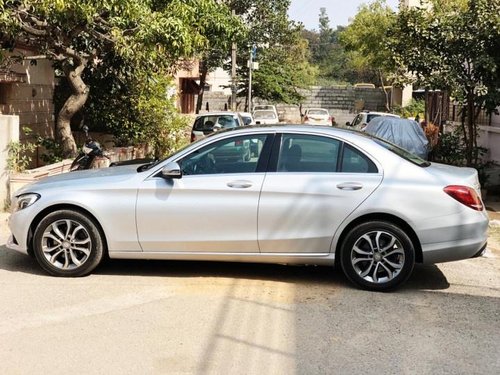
{"type": "Point", "coordinates": [317, 112]}
{"type": "Point", "coordinates": [208, 122]}
{"type": "Point", "coordinates": [402, 152]}
{"type": "Point", "coordinates": [264, 114]}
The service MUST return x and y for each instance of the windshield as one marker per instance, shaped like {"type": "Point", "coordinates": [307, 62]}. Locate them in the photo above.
{"type": "Point", "coordinates": [207, 123]}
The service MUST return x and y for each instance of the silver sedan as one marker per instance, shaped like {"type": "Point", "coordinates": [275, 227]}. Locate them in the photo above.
{"type": "Point", "coordinates": [303, 194]}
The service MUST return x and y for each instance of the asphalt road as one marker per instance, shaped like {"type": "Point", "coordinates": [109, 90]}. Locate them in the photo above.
{"type": "Point", "coordinates": [158, 317]}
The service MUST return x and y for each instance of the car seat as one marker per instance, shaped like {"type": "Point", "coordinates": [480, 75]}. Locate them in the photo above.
{"type": "Point", "coordinates": [291, 159]}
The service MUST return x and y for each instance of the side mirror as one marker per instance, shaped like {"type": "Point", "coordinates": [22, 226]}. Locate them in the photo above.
{"type": "Point", "coordinates": [171, 170]}
{"type": "Point", "coordinates": [348, 123]}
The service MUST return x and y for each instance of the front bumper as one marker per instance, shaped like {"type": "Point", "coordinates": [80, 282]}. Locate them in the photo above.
{"type": "Point", "coordinates": [13, 245]}
{"type": "Point", "coordinates": [19, 224]}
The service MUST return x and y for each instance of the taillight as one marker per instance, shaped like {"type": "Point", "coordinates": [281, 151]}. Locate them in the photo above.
{"type": "Point", "coordinates": [192, 137]}
{"type": "Point", "coordinates": [465, 195]}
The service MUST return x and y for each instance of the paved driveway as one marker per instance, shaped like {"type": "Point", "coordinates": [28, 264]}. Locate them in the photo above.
{"type": "Point", "coordinates": [159, 317]}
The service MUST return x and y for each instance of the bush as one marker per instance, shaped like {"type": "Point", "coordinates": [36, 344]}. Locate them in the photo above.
{"type": "Point", "coordinates": [414, 109]}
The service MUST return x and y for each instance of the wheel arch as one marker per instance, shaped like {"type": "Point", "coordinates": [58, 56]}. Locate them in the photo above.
{"type": "Point", "coordinates": [39, 217]}
{"type": "Point", "coordinates": [382, 217]}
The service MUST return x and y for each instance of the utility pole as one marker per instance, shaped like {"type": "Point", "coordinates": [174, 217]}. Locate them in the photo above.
{"type": "Point", "coordinates": [233, 73]}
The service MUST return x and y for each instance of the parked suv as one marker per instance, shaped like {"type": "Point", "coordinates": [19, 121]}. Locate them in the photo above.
{"type": "Point", "coordinates": [207, 123]}
{"type": "Point", "coordinates": [363, 118]}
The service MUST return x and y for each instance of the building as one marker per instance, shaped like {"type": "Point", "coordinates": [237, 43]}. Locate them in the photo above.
{"type": "Point", "coordinates": [27, 90]}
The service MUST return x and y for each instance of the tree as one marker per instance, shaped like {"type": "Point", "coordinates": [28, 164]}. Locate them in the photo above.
{"type": "Point", "coordinates": [221, 31]}
{"type": "Point", "coordinates": [78, 34]}
{"type": "Point", "coordinates": [455, 49]}
{"type": "Point", "coordinates": [283, 69]}
{"type": "Point", "coordinates": [282, 53]}
{"type": "Point", "coordinates": [366, 40]}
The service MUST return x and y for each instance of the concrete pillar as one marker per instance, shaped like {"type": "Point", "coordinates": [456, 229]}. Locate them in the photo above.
{"type": "Point", "coordinates": [9, 132]}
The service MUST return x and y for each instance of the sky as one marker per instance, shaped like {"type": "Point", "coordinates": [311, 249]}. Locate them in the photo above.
{"type": "Point", "coordinates": [339, 11]}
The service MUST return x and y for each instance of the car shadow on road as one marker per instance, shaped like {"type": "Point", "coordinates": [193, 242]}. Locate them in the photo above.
{"type": "Point", "coordinates": [12, 261]}
{"type": "Point", "coordinates": [423, 277]}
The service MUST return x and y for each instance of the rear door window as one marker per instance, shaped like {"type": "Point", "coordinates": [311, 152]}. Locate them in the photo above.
{"type": "Point", "coordinates": [354, 161]}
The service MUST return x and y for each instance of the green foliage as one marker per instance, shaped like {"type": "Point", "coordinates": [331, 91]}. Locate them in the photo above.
{"type": "Point", "coordinates": [365, 40]}
{"type": "Point", "coordinates": [455, 47]}
{"type": "Point", "coordinates": [163, 128]}
{"type": "Point", "coordinates": [414, 109]}
{"type": "Point", "coordinates": [53, 151]}
{"type": "Point", "coordinates": [452, 150]}
{"type": "Point", "coordinates": [282, 70]}
{"type": "Point", "coordinates": [282, 52]}
{"type": "Point", "coordinates": [19, 154]}
{"type": "Point", "coordinates": [148, 36]}
{"type": "Point", "coordinates": [136, 109]}
{"type": "Point", "coordinates": [329, 55]}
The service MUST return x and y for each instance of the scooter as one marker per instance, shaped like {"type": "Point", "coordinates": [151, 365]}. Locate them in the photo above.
{"type": "Point", "coordinates": [92, 149]}
{"type": "Point", "coordinates": [89, 152]}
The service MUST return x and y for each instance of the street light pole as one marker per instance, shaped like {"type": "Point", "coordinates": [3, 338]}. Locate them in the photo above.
{"type": "Point", "coordinates": [250, 68]}
{"type": "Point", "coordinates": [233, 73]}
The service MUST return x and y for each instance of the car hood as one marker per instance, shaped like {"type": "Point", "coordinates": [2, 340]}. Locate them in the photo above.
{"type": "Point", "coordinates": [451, 175]}
{"type": "Point", "coordinates": [78, 179]}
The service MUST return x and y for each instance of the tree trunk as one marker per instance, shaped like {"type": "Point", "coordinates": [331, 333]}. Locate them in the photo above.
{"type": "Point", "coordinates": [203, 80]}
{"type": "Point", "coordinates": [387, 104]}
{"type": "Point", "coordinates": [470, 128]}
{"type": "Point", "coordinates": [72, 105]}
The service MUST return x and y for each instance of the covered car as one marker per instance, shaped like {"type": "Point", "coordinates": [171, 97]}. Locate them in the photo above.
{"type": "Point", "coordinates": [404, 133]}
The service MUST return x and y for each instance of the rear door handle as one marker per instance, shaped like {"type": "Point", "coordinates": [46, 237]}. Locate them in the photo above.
{"type": "Point", "coordinates": [239, 184]}
{"type": "Point", "coordinates": [350, 186]}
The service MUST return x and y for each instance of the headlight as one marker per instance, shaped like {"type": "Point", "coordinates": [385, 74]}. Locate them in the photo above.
{"type": "Point", "coordinates": [25, 200]}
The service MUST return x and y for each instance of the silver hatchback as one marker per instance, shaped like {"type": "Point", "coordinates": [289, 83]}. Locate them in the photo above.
{"type": "Point", "coordinates": [304, 194]}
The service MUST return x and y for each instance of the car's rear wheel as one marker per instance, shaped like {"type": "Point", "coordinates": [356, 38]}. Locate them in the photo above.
{"type": "Point", "coordinates": [68, 243]}
{"type": "Point", "coordinates": [377, 255]}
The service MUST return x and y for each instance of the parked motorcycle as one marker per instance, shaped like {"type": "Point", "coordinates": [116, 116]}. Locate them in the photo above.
{"type": "Point", "coordinates": [89, 152]}
{"type": "Point", "coordinates": [92, 149]}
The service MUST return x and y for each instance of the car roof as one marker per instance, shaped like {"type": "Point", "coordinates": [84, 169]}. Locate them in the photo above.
{"type": "Point", "coordinates": [380, 113]}
{"type": "Point", "coordinates": [217, 114]}
{"type": "Point", "coordinates": [317, 109]}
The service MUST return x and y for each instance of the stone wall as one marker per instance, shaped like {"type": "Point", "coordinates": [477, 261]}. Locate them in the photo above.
{"type": "Point", "coordinates": [343, 102]}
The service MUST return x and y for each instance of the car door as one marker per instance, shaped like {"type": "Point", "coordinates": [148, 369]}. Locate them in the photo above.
{"type": "Point", "coordinates": [213, 206]}
{"type": "Point", "coordinates": [318, 181]}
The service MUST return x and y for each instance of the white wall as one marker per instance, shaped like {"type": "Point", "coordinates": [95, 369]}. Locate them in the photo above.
{"type": "Point", "coordinates": [9, 131]}
{"type": "Point", "coordinates": [218, 79]}
{"type": "Point", "coordinates": [489, 137]}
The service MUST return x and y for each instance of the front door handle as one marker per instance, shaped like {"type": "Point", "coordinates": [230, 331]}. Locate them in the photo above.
{"type": "Point", "coordinates": [239, 184]}
{"type": "Point", "coordinates": [350, 186]}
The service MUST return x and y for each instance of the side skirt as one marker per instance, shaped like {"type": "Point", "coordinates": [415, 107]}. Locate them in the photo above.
{"type": "Point", "coordinates": [287, 258]}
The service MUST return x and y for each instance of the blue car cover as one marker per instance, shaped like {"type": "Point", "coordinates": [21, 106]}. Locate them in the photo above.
{"type": "Point", "coordinates": [404, 133]}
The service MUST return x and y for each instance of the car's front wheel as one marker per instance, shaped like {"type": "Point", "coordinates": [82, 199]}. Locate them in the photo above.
{"type": "Point", "coordinates": [68, 243]}
{"type": "Point", "coordinates": [377, 255]}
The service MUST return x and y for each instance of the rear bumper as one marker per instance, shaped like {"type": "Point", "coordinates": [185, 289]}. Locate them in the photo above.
{"type": "Point", "coordinates": [453, 250]}
{"type": "Point", "coordinates": [455, 238]}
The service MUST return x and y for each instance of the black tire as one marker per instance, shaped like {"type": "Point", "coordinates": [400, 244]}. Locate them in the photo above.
{"type": "Point", "coordinates": [370, 258]}
{"type": "Point", "coordinates": [68, 243]}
